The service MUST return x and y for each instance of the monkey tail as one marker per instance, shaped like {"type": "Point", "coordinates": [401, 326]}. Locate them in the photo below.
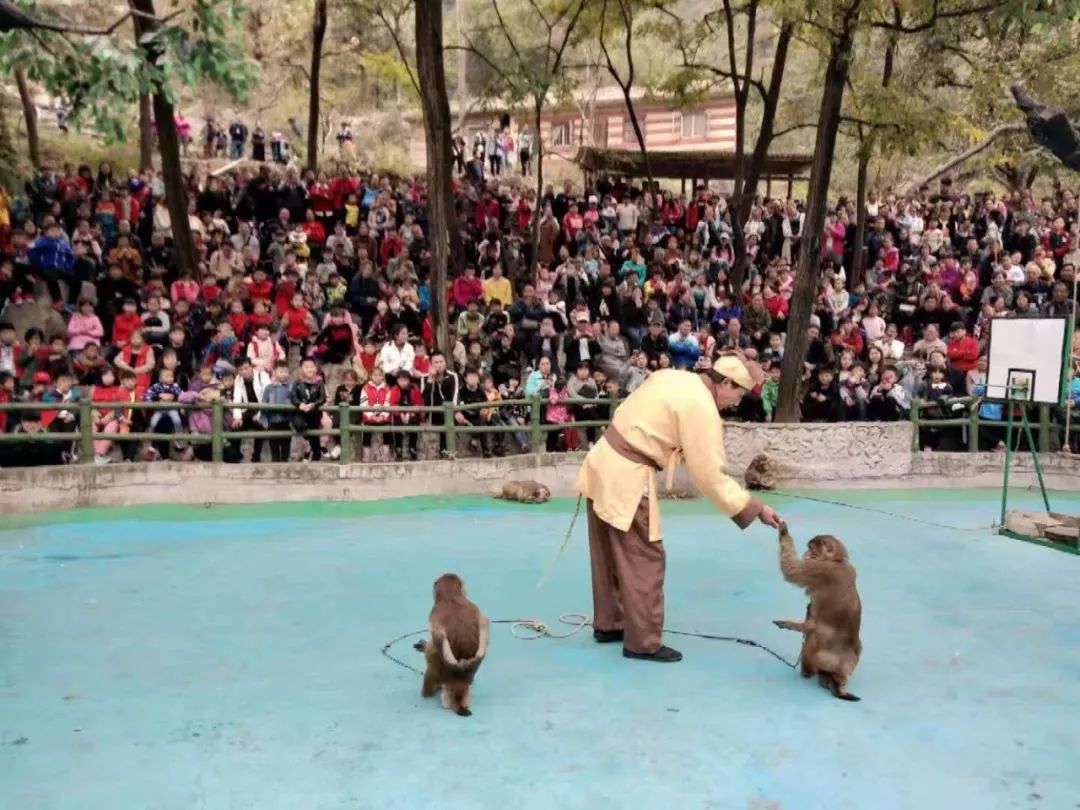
{"type": "Point", "coordinates": [836, 686]}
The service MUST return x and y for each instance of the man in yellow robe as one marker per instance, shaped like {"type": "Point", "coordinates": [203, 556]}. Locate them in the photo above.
{"type": "Point", "coordinates": [673, 417]}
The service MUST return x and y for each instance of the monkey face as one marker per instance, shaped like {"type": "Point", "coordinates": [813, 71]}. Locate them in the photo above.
{"type": "Point", "coordinates": [448, 586]}
{"type": "Point", "coordinates": [542, 494]}
{"type": "Point", "coordinates": [826, 548]}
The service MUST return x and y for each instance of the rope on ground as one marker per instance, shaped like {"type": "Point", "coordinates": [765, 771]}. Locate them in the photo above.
{"type": "Point", "coordinates": [886, 512]}
{"type": "Point", "coordinates": [577, 622]}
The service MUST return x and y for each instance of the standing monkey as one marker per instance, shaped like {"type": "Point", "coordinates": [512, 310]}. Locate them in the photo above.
{"type": "Point", "coordinates": [459, 640]}
{"type": "Point", "coordinates": [831, 645]}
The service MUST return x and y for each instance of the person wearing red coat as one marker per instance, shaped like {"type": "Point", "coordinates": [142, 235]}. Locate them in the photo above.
{"type": "Point", "coordinates": [316, 233]}
{"type": "Point", "coordinates": [405, 394]}
{"type": "Point", "coordinates": [487, 212]}
{"type": "Point", "coordinates": [375, 394]}
{"type": "Point", "coordinates": [963, 348]}
{"type": "Point", "coordinates": [467, 288]}
{"type": "Point", "coordinates": [392, 246]}
{"type": "Point", "coordinates": [322, 199]}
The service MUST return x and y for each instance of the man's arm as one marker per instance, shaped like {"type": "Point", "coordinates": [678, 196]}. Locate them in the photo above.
{"type": "Point", "coordinates": [702, 441]}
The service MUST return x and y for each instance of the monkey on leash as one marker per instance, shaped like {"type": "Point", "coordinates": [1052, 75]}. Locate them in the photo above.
{"type": "Point", "coordinates": [459, 641]}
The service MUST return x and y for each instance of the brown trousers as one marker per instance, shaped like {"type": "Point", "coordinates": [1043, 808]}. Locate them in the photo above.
{"type": "Point", "coordinates": [628, 580]}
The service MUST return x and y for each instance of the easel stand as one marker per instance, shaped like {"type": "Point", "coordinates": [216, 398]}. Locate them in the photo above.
{"type": "Point", "coordinates": [1009, 404]}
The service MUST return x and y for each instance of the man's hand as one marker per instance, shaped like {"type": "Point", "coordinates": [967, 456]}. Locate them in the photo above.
{"type": "Point", "coordinates": [769, 517]}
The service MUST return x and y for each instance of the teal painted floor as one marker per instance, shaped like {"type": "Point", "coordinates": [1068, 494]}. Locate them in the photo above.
{"type": "Point", "coordinates": [175, 658]}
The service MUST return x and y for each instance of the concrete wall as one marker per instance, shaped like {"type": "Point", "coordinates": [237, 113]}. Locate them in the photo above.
{"type": "Point", "coordinates": [842, 456]}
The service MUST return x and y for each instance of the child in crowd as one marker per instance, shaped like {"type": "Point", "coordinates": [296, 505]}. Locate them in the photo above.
{"type": "Point", "coordinates": [308, 395]}
{"type": "Point", "coordinates": [405, 394]}
{"type": "Point", "coordinates": [278, 392]}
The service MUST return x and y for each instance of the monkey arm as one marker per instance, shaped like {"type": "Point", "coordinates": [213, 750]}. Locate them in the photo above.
{"type": "Point", "coordinates": [701, 439]}
{"type": "Point", "coordinates": [485, 631]}
{"type": "Point", "coordinates": [441, 643]}
{"type": "Point", "coordinates": [807, 573]}
{"type": "Point", "coordinates": [798, 627]}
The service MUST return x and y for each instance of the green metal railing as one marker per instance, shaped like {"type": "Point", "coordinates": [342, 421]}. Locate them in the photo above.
{"type": "Point", "coordinates": [1050, 434]}
{"type": "Point", "coordinates": [350, 423]}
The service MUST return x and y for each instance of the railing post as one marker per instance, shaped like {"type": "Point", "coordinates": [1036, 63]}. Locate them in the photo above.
{"type": "Point", "coordinates": [450, 428]}
{"type": "Point", "coordinates": [973, 428]}
{"type": "Point", "coordinates": [86, 432]}
{"type": "Point", "coordinates": [217, 429]}
{"type": "Point", "coordinates": [536, 435]}
{"type": "Point", "coordinates": [1044, 428]}
{"type": "Point", "coordinates": [345, 437]}
{"type": "Point", "coordinates": [915, 423]}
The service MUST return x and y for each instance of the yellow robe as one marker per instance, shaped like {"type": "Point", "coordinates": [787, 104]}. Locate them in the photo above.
{"type": "Point", "coordinates": [672, 417]}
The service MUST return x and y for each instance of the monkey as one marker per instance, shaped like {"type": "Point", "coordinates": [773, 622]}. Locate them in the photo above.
{"type": "Point", "coordinates": [459, 642]}
{"type": "Point", "coordinates": [831, 644]}
{"type": "Point", "coordinates": [524, 492]}
{"type": "Point", "coordinates": [677, 495]}
{"type": "Point", "coordinates": [761, 474]}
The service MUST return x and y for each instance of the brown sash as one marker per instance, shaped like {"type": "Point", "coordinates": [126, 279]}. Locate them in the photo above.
{"type": "Point", "coordinates": [621, 446]}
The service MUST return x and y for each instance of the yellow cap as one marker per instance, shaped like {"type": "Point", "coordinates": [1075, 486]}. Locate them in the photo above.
{"type": "Point", "coordinates": [741, 371]}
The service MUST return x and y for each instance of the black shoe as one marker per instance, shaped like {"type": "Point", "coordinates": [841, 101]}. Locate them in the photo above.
{"type": "Point", "coordinates": [607, 636]}
{"type": "Point", "coordinates": [664, 655]}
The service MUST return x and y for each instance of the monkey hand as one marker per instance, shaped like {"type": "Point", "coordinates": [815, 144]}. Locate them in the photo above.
{"type": "Point", "coordinates": [420, 646]}
{"type": "Point", "coordinates": [783, 529]}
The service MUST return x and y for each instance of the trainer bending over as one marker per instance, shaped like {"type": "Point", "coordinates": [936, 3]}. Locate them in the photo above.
{"type": "Point", "coordinates": [673, 417]}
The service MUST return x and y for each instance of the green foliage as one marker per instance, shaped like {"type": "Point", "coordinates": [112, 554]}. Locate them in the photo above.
{"type": "Point", "coordinates": [523, 46]}
{"type": "Point", "coordinates": [101, 76]}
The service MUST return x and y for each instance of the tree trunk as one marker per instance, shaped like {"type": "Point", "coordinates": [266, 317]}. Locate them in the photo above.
{"type": "Point", "coordinates": [318, 33]}
{"type": "Point", "coordinates": [638, 133]}
{"type": "Point", "coordinates": [533, 259]}
{"type": "Point", "coordinates": [742, 199]}
{"type": "Point", "coordinates": [462, 68]}
{"type": "Point", "coordinates": [9, 174]}
{"type": "Point", "coordinates": [751, 173]}
{"type": "Point", "coordinates": [169, 147]}
{"type": "Point", "coordinates": [146, 133]}
{"type": "Point", "coordinates": [858, 263]}
{"type": "Point", "coordinates": [33, 143]}
{"type": "Point", "coordinates": [436, 107]}
{"type": "Point", "coordinates": [866, 151]}
{"type": "Point", "coordinates": [809, 269]}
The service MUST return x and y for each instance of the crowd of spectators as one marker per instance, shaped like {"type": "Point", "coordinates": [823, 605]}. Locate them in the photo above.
{"type": "Point", "coordinates": [313, 290]}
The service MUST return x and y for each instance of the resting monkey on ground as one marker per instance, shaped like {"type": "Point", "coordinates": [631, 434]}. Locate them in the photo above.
{"type": "Point", "coordinates": [761, 473]}
{"type": "Point", "coordinates": [831, 645]}
{"type": "Point", "coordinates": [459, 641]}
{"type": "Point", "coordinates": [524, 492]}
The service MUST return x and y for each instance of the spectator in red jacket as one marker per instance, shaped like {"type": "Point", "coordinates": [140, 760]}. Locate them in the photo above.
{"type": "Point", "coordinates": [467, 288]}
{"type": "Point", "coordinates": [487, 212]}
{"type": "Point", "coordinates": [126, 323]}
{"type": "Point", "coordinates": [963, 348]}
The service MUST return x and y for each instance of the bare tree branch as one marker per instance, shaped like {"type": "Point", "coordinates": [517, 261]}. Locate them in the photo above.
{"type": "Point", "coordinates": [506, 31]}
{"type": "Point", "coordinates": [12, 18]}
{"type": "Point", "coordinates": [937, 14]}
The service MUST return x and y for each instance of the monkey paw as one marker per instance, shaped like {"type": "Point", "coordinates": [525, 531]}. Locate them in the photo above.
{"type": "Point", "coordinates": [420, 646]}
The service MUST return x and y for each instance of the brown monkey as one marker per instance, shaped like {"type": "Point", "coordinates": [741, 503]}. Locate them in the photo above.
{"type": "Point", "coordinates": [761, 474]}
{"type": "Point", "coordinates": [524, 492]}
{"type": "Point", "coordinates": [831, 645]}
{"type": "Point", "coordinates": [677, 495]}
{"type": "Point", "coordinates": [459, 640]}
